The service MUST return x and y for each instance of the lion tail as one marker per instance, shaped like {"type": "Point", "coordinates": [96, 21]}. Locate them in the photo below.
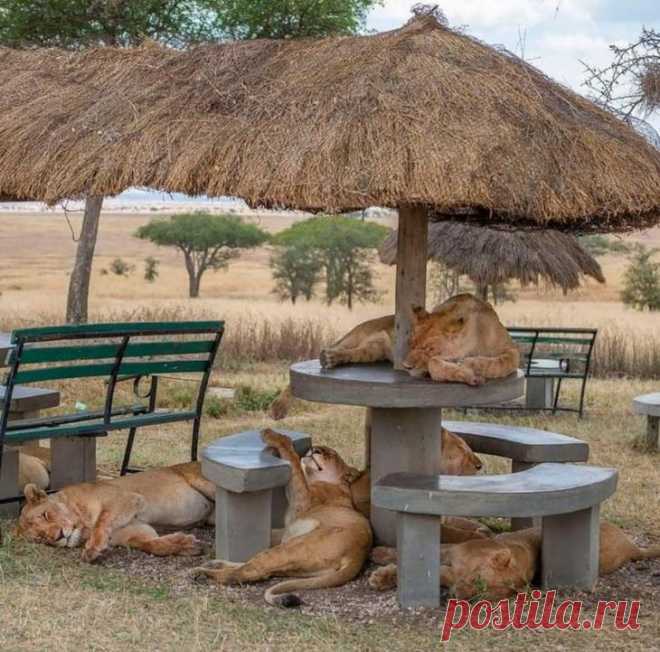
{"type": "Point", "coordinates": [281, 594]}
{"type": "Point", "coordinates": [279, 408]}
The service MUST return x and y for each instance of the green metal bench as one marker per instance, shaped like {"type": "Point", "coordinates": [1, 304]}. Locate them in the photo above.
{"type": "Point", "coordinates": [550, 354]}
{"type": "Point", "coordinates": [118, 353]}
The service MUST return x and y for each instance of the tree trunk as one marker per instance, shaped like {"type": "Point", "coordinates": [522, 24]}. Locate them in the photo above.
{"type": "Point", "coordinates": [76, 306]}
{"type": "Point", "coordinates": [482, 292]}
{"type": "Point", "coordinates": [193, 285]}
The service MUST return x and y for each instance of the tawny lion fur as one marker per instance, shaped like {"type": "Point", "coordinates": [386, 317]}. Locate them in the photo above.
{"type": "Point", "coordinates": [122, 511]}
{"type": "Point", "coordinates": [461, 341]}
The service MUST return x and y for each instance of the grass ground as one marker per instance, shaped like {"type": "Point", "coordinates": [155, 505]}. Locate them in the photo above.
{"type": "Point", "coordinates": [49, 600]}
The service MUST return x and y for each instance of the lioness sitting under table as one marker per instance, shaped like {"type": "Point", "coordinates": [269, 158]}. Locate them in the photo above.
{"type": "Point", "coordinates": [326, 540]}
{"type": "Point", "coordinates": [122, 511]}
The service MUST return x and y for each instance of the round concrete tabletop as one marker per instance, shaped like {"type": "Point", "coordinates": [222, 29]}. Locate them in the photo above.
{"type": "Point", "coordinates": [648, 404]}
{"type": "Point", "coordinates": [379, 385]}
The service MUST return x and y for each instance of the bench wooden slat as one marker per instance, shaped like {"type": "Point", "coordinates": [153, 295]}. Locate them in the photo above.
{"type": "Point", "coordinates": [126, 369]}
{"type": "Point", "coordinates": [549, 340]}
{"type": "Point", "coordinates": [57, 420]}
{"type": "Point", "coordinates": [98, 330]}
{"type": "Point", "coordinates": [97, 428]}
{"type": "Point", "coordinates": [100, 351]}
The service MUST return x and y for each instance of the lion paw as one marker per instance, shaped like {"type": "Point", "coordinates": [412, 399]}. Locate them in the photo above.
{"type": "Point", "coordinates": [384, 578]}
{"type": "Point", "coordinates": [91, 554]}
{"type": "Point", "coordinates": [190, 545]}
{"type": "Point", "coordinates": [219, 576]}
{"type": "Point", "coordinates": [275, 439]}
{"type": "Point", "coordinates": [330, 359]}
{"type": "Point", "coordinates": [383, 555]}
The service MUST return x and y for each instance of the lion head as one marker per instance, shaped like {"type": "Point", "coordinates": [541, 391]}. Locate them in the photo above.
{"type": "Point", "coordinates": [457, 457]}
{"type": "Point", "coordinates": [44, 519]}
{"type": "Point", "coordinates": [324, 464]}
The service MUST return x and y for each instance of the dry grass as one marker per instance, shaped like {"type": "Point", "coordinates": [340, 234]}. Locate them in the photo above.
{"type": "Point", "coordinates": [50, 600]}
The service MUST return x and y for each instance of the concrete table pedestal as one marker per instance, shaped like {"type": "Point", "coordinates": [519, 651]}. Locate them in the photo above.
{"type": "Point", "coordinates": [405, 416]}
{"type": "Point", "coordinates": [649, 405]}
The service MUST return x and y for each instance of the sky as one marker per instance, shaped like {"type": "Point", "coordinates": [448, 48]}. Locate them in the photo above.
{"type": "Point", "coordinates": [554, 35]}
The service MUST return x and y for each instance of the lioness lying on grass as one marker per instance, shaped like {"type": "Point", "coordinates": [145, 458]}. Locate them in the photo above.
{"type": "Point", "coordinates": [462, 341]}
{"type": "Point", "coordinates": [506, 564]}
{"type": "Point", "coordinates": [326, 540]}
{"type": "Point", "coordinates": [122, 511]}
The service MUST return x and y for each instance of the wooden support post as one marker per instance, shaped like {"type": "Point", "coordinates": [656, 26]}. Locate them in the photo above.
{"type": "Point", "coordinates": [410, 275]}
{"type": "Point", "coordinates": [242, 523]}
{"type": "Point", "coordinates": [409, 439]}
{"type": "Point", "coordinates": [569, 551]}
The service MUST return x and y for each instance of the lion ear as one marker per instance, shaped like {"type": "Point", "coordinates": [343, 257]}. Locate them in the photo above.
{"type": "Point", "coordinates": [419, 313]}
{"type": "Point", "coordinates": [351, 475]}
{"type": "Point", "coordinates": [33, 494]}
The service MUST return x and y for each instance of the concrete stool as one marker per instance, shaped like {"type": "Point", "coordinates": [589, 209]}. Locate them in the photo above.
{"type": "Point", "coordinates": [649, 404]}
{"type": "Point", "coordinates": [525, 447]}
{"type": "Point", "coordinates": [567, 496]}
{"type": "Point", "coordinates": [250, 491]}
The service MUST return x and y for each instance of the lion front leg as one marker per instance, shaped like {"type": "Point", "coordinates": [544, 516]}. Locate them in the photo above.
{"type": "Point", "coordinates": [453, 372]}
{"type": "Point", "coordinates": [123, 510]}
{"type": "Point", "coordinates": [497, 366]}
{"type": "Point", "coordinates": [142, 536]}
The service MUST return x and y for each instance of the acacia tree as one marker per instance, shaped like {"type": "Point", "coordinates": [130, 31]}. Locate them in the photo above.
{"type": "Point", "coordinates": [296, 271]}
{"type": "Point", "coordinates": [344, 247]}
{"type": "Point", "coordinates": [641, 281]}
{"type": "Point", "coordinates": [248, 19]}
{"type": "Point", "coordinates": [206, 241]}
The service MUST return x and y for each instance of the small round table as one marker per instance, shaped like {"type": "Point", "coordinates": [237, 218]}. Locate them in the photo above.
{"type": "Point", "coordinates": [649, 405]}
{"type": "Point", "coordinates": [406, 415]}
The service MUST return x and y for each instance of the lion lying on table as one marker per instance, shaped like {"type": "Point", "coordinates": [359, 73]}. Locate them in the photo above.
{"type": "Point", "coordinates": [122, 511]}
{"type": "Point", "coordinates": [326, 540]}
{"type": "Point", "coordinates": [500, 567]}
{"type": "Point", "coordinates": [462, 341]}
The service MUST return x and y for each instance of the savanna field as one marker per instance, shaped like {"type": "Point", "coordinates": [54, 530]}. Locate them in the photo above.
{"type": "Point", "coordinates": [128, 601]}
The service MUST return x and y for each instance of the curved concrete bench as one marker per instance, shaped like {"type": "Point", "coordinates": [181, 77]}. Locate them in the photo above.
{"type": "Point", "coordinates": [649, 405]}
{"type": "Point", "coordinates": [250, 499]}
{"type": "Point", "coordinates": [522, 445]}
{"type": "Point", "coordinates": [566, 496]}
{"type": "Point", "coordinates": [525, 447]}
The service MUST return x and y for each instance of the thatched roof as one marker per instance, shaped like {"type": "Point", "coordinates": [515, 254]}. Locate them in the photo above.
{"type": "Point", "coordinates": [490, 256]}
{"type": "Point", "coordinates": [420, 115]}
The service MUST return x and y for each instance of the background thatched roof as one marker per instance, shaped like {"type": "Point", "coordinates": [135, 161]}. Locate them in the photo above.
{"type": "Point", "coordinates": [490, 256]}
{"type": "Point", "coordinates": [421, 115]}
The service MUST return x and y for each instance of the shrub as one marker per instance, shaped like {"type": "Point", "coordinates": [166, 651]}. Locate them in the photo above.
{"type": "Point", "coordinates": [641, 287]}
{"type": "Point", "coordinates": [120, 267]}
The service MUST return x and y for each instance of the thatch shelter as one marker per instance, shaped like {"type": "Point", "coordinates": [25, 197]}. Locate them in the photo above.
{"type": "Point", "coordinates": [421, 115]}
{"type": "Point", "coordinates": [491, 256]}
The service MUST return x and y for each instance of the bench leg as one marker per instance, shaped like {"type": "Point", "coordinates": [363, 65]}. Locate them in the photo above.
{"type": "Point", "coordinates": [653, 433]}
{"type": "Point", "coordinates": [242, 524]}
{"type": "Point", "coordinates": [569, 551]}
{"type": "Point", "coordinates": [521, 523]}
{"type": "Point", "coordinates": [9, 482]}
{"type": "Point", "coordinates": [418, 549]}
{"type": "Point", "coordinates": [73, 460]}
{"type": "Point", "coordinates": [402, 439]}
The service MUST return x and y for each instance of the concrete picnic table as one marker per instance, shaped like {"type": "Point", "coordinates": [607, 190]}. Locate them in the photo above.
{"type": "Point", "coordinates": [406, 415]}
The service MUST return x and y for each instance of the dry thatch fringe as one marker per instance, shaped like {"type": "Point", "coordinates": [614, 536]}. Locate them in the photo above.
{"type": "Point", "coordinates": [493, 256]}
{"type": "Point", "coordinates": [419, 115]}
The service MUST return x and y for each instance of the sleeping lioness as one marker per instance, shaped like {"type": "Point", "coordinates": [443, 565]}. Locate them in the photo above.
{"type": "Point", "coordinates": [122, 511]}
{"type": "Point", "coordinates": [462, 340]}
{"type": "Point", "coordinates": [326, 540]}
{"type": "Point", "coordinates": [500, 567]}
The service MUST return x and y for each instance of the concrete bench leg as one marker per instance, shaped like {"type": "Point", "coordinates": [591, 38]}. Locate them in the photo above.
{"type": "Point", "coordinates": [522, 523]}
{"type": "Point", "coordinates": [569, 552]}
{"type": "Point", "coordinates": [73, 460]}
{"type": "Point", "coordinates": [540, 393]}
{"type": "Point", "coordinates": [653, 432]}
{"type": "Point", "coordinates": [9, 482]}
{"type": "Point", "coordinates": [418, 546]}
{"type": "Point", "coordinates": [242, 523]}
